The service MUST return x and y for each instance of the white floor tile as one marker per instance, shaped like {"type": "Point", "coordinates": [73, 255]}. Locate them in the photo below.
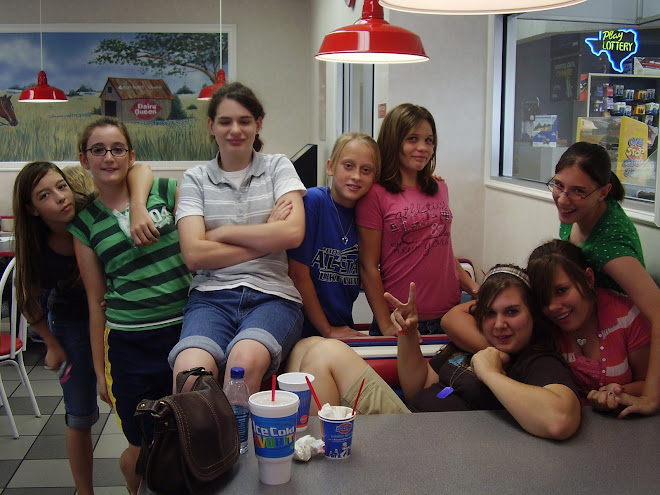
{"type": "Point", "coordinates": [42, 473]}
{"type": "Point", "coordinates": [40, 387]}
{"type": "Point", "coordinates": [110, 446]}
{"type": "Point", "coordinates": [40, 373]}
{"type": "Point", "coordinates": [10, 385]}
{"type": "Point", "coordinates": [15, 448]}
{"type": "Point", "coordinates": [26, 424]}
{"type": "Point", "coordinates": [112, 426]}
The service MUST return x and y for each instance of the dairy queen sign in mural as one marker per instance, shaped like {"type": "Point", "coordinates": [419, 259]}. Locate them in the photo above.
{"type": "Point", "coordinates": [136, 99]}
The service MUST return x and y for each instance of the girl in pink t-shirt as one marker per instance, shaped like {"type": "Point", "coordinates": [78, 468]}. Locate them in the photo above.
{"type": "Point", "coordinates": [404, 225]}
{"type": "Point", "coordinates": [602, 334]}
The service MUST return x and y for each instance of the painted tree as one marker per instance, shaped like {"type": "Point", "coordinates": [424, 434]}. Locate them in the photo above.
{"type": "Point", "coordinates": [165, 53]}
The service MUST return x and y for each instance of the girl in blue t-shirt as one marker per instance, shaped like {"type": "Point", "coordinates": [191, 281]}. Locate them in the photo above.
{"type": "Point", "coordinates": [324, 268]}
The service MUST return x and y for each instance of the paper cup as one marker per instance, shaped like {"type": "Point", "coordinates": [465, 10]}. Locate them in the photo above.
{"type": "Point", "coordinates": [274, 434]}
{"type": "Point", "coordinates": [295, 382]}
{"type": "Point", "coordinates": [338, 433]}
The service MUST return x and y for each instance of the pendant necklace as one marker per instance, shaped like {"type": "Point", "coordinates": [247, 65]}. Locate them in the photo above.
{"type": "Point", "coordinates": [344, 238]}
{"type": "Point", "coordinates": [448, 390]}
{"type": "Point", "coordinates": [581, 342]}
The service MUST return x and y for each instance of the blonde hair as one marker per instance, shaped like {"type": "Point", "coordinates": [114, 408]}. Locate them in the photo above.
{"type": "Point", "coordinates": [361, 137]}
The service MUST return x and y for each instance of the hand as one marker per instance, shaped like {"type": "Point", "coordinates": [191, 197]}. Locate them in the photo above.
{"type": "Point", "coordinates": [55, 356]}
{"type": "Point", "coordinates": [281, 211]}
{"type": "Point", "coordinates": [143, 230]}
{"type": "Point", "coordinates": [404, 317]}
{"type": "Point", "coordinates": [640, 405]}
{"type": "Point", "coordinates": [102, 388]}
{"type": "Point", "coordinates": [488, 360]}
{"type": "Point", "coordinates": [604, 399]}
{"type": "Point", "coordinates": [344, 332]}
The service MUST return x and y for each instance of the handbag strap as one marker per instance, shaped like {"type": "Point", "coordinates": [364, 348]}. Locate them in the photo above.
{"type": "Point", "coordinates": [184, 375]}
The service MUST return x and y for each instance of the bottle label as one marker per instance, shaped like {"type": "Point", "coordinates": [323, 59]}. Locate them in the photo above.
{"type": "Point", "coordinates": [241, 414]}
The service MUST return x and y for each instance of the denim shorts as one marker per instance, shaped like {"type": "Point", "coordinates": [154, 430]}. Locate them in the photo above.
{"type": "Point", "coordinates": [79, 390]}
{"type": "Point", "coordinates": [136, 368]}
{"type": "Point", "coordinates": [216, 320]}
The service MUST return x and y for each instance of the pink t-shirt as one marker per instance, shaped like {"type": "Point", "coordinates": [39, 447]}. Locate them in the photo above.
{"type": "Point", "coordinates": [622, 328]}
{"type": "Point", "coordinates": [416, 245]}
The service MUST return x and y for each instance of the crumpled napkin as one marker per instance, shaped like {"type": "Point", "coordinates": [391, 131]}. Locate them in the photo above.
{"type": "Point", "coordinates": [306, 447]}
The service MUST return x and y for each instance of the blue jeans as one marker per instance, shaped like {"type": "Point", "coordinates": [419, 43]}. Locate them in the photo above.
{"type": "Point", "coordinates": [216, 320]}
{"type": "Point", "coordinates": [426, 327]}
{"type": "Point", "coordinates": [79, 391]}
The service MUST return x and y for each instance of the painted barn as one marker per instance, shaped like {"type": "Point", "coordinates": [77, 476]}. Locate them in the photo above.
{"type": "Point", "coordinates": [134, 100]}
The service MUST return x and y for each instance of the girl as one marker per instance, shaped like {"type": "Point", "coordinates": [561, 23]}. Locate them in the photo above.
{"type": "Point", "coordinates": [603, 335]}
{"type": "Point", "coordinates": [324, 268]}
{"type": "Point", "coordinates": [518, 372]}
{"type": "Point", "coordinates": [587, 195]}
{"type": "Point", "coordinates": [52, 298]}
{"type": "Point", "coordinates": [237, 216]}
{"type": "Point", "coordinates": [146, 285]}
{"type": "Point", "coordinates": [404, 225]}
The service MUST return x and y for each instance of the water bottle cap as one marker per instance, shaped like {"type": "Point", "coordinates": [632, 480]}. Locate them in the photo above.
{"type": "Point", "coordinates": [237, 372]}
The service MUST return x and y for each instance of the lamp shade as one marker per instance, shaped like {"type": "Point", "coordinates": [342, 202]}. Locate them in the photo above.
{"type": "Point", "coordinates": [372, 40]}
{"type": "Point", "coordinates": [42, 92]}
{"type": "Point", "coordinates": [467, 7]}
{"type": "Point", "coordinates": [207, 92]}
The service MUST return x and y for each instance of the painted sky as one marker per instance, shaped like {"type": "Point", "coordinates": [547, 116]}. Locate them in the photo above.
{"type": "Point", "coordinates": [66, 57]}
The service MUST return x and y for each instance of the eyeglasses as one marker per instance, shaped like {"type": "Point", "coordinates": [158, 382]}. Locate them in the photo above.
{"type": "Point", "coordinates": [116, 152]}
{"type": "Point", "coordinates": [575, 194]}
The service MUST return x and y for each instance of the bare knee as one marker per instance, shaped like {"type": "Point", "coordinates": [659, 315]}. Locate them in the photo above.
{"type": "Point", "coordinates": [254, 358]}
{"type": "Point", "coordinates": [194, 358]}
{"type": "Point", "coordinates": [298, 352]}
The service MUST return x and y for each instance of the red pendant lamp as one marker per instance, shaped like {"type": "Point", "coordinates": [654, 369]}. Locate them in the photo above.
{"type": "Point", "coordinates": [372, 40]}
{"type": "Point", "coordinates": [467, 7]}
{"type": "Point", "coordinates": [220, 79]}
{"type": "Point", "coordinates": [207, 92]}
{"type": "Point", "coordinates": [42, 92]}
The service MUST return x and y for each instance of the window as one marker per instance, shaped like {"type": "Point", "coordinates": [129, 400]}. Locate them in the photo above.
{"type": "Point", "coordinates": [591, 73]}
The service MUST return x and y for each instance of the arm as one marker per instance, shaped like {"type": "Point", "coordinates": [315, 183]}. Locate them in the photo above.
{"type": "Point", "coordinates": [94, 279]}
{"type": "Point", "coordinates": [299, 273]}
{"type": "Point", "coordinates": [268, 237]}
{"type": "Point", "coordinates": [415, 373]}
{"type": "Point", "coordinates": [467, 284]}
{"type": "Point", "coordinates": [604, 399]}
{"type": "Point", "coordinates": [633, 278]}
{"type": "Point", "coordinates": [552, 411]}
{"type": "Point", "coordinates": [140, 179]}
{"type": "Point", "coordinates": [461, 327]}
{"type": "Point", "coordinates": [369, 241]}
{"type": "Point", "coordinates": [55, 354]}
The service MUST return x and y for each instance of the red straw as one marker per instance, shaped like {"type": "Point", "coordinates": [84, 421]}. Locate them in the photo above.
{"type": "Point", "coordinates": [273, 387]}
{"type": "Point", "coordinates": [358, 397]}
{"type": "Point", "coordinates": [316, 399]}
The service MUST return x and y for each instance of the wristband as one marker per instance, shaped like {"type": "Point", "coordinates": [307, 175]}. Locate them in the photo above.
{"type": "Point", "coordinates": [401, 332]}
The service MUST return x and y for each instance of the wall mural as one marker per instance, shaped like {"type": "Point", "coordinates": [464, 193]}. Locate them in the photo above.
{"type": "Point", "coordinates": [150, 81]}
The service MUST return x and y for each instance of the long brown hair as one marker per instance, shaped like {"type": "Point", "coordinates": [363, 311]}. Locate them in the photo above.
{"type": "Point", "coordinates": [397, 125]}
{"type": "Point", "coordinates": [31, 234]}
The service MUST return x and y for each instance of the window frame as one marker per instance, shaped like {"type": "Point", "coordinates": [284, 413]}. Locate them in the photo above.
{"type": "Point", "coordinates": [499, 152]}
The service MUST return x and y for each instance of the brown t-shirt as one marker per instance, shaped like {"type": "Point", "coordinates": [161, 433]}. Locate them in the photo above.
{"type": "Point", "coordinates": [533, 367]}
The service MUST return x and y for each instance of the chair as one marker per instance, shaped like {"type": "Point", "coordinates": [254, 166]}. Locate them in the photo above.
{"type": "Point", "coordinates": [12, 345]}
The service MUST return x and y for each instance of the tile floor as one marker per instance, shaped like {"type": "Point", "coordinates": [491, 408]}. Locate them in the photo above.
{"type": "Point", "coordinates": [36, 463]}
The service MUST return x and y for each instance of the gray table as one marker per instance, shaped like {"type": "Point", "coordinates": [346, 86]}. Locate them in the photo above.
{"type": "Point", "coordinates": [471, 452]}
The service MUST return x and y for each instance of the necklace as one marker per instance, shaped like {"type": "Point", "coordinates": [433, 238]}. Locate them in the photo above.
{"type": "Point", "coordinates": [581, 342]}
{"type": "Point", "coordinates": [344, 238]}
{"type": "Point", "coordinates": [448, 390]}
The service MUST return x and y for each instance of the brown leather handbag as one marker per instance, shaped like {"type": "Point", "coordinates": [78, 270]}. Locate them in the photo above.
{"type": "Point", "coordinates": [195, 436]}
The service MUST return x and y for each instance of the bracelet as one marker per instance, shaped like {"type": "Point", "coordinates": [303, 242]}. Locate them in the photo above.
{"type": "Point", "coordinates": [401, 332]}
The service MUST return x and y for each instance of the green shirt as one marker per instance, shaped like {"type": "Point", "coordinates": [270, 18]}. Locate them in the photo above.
{"type": "Point", "coordinates": [147, 285]}
{"type": "Point", "coordinates": [613, 236]}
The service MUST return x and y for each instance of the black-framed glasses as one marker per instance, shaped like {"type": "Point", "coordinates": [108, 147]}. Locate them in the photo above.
{"type": "Point", "coordinates": [116, 152]}
{"type": "Point", "coordinates": [575, 194]}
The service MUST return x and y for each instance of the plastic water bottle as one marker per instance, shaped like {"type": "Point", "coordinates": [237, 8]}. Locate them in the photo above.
{"type": "Point", "coordinates": [237, 393]}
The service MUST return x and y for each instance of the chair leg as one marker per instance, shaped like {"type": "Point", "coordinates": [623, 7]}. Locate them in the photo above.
{"type": "Point", "coordinates": [10, 416]}
{"type": "Point", "coordinates": [28, 386]}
